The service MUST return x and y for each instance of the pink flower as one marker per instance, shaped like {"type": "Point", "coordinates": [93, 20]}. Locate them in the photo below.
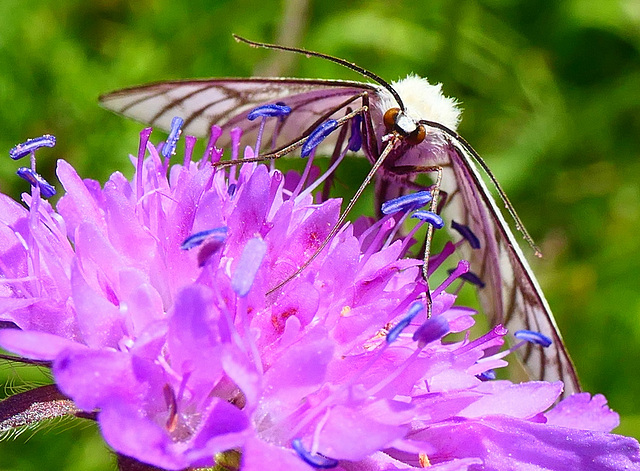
{"type": "Point", "coordinates": [152, 301]}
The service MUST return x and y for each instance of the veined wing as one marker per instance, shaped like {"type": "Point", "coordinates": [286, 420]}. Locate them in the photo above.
{"type": "Point", "coordinates": [226, 102]}
{"type": "Point", "coordinates": [511, 295]}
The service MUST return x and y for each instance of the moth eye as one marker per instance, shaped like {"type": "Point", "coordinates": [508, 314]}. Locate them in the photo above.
{"type": "Point", "coordinates": [417, 136]}
{"type": "Point", "coordinates": [390, 117]}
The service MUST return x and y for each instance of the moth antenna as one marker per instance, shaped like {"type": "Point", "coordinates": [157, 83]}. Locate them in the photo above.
{"type": "Point", "coordinates": [337, 60]}
{"type": "Point", "coordinates": [492, 177]}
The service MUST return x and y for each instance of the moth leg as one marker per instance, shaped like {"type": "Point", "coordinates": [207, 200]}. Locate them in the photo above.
{"type": "Point", "coordinates": [391, 144]}
{"type": "Point", "coordinates": [435, 197]}
{"type": "Point", "coordinates": [438, 198]}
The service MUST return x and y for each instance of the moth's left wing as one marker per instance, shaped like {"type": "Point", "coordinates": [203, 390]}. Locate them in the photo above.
{"type": "Point", "coordinates": [511, 295]}
{"type": "Point", "coordinates": [226, 102]}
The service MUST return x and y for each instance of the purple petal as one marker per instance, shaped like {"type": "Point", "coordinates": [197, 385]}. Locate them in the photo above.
{"type": "Point", "coordinates": [248, 266]}
{"type": "Point", "coordinates": [259, 455]}
{"type": "Point", "coordinates": [507, 398]}
{"type": "Point", "coordinates": [581, 411]}
{"type": "Point", "coordinates": [35, 345]}
{"type": "Point", "coordinates": [77, 205]}
{"type": "Point", "coordinates": [98, 319]}
{"type": "Point", "coordinates": [508, 443]}
{"type": "Point", "coordinates": [93, 378]}
{"type": "Point", "coordinates": [349, 435]}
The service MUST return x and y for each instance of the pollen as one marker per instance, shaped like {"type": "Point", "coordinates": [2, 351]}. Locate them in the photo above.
{"type": "Point", "coordinates": [423, 459]}
{"type": "Point", "coordinates": [345, 311]}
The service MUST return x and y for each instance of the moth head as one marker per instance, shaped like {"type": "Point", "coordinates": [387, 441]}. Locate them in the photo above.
{"type": "Point", "coordinates": [396, 120]}
{"type": "Point", "coordinates": [423, 101]}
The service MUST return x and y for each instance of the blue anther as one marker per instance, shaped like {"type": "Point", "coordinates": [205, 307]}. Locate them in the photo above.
{"type": "Point", "coordinates": [406, 202]}
{"type": "Point", "coordinates": [317, 461]}
{"type": "Point", "coordinates": [465, 232]}
{"type": "Point", "coordinates": [317, 136]}
{"type": "Point", "coordinates": [397, 329]}
{"type": "Point", "coordinates": [533, 337]}
{"type": "Point", "coordinates": [47, 190]}
{"type": "Point", "coordinates": [429, 217]}
{"type": "Point", "coordinates": [170, 144]}
{"type": "Point", "coordinates": [432, 329]}
{"type": "Point", "coordinates": [268, 111]}
{"type": "Point", "coordinates": [488, 375]}
{"type": "Point", "coordinates": [25, 148]}
{"type": "Point", "coordinates": [355, 140]}
{"type": "Point", "coordinates": [218, 234]}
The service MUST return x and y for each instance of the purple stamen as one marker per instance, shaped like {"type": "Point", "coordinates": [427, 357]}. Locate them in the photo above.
{"type": "Point", "coordinates": [498, 331]}
{"type": "Point", "coordinates": [406, 202]}
{"type": "Point", "coordinates": [408, 239]}
{"type": "Point", "coordinates": [248, 265]}
{"type": "Point", "coordinates": [268, 111]}
{"type": "Point", "coordinates": [436, 260]}
{"type": "Point", "coordinates": [429, 217]}
{"type": "Point", "coordinates": [197, 239]}
{"type": "Point", "coordinates": [432, 329]}
{"type": "Point", "coordinates": [471, 278]}
{"type": "Point", "coordinates": [232, 189]}
{"type": "Point", "coordinates": [317, 461]}
{"type": "Point", "coordinates": [46, 189]}
{"type": "Point", "coordinates": [374, 246]}
{"type": "Point", "coordinates": [25, 148]}
{"type": "Point", "coordinates": [398, 226]}
{"type": "Point", "coordinates": [355, 140]}
{"type": "Point", "coordinates": [170, 146]}
{"type": "Point", "coordinates": [414, 310]}
{"type": "Point", "coordinates": [142, 147]}
{"type": "Point", "coordinates": [212, 151]}
{"type": "Point", "coordinates": [236, 134]}
{"type": "Point", "coordinates": [465, 232]}
{"type": "Point", "coordinates": [461, 269]}
{"type": "Point", "coordinates": [533, 337]}
{"type": "Point", "coordinates": [318, 135]}
{"type": "Point", "coordinates": [189, 144]}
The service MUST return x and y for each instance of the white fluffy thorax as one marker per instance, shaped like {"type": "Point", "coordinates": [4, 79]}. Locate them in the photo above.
{"type": "Point", "coordinates": [423, 100]}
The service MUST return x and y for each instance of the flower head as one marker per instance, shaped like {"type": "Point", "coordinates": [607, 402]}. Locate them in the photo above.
{"type": "Point", "coordinates": [158, 304]}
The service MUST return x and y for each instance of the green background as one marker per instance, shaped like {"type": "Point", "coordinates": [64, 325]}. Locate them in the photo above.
{"type": "Point", "coordinates": [551, 98]}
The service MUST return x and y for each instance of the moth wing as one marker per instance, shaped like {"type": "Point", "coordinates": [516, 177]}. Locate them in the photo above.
{"type": "Point", "coordinates": [511, 295]}
{"type": "Point", "coordinates": [226, 102]}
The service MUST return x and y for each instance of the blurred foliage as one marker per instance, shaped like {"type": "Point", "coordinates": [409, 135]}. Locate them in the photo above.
{"type": "Point", "coordinates": [550, 89]}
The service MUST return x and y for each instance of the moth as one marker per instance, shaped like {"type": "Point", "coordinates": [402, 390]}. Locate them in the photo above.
{"type": "Point", "coordinates": [408, 127]}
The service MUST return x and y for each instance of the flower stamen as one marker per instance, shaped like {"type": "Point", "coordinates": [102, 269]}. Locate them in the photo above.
{"type": "Point", "coordinates": [169, 147]}
{"type": "Point", "coordinates": [406, 203]}
{"type": "Point", "coordinates": [532, 337]}
{"type": "Point", "coordinates": [461, 269]}
{"type": "Point", "coordinates": [47, 190]}
{"type": "Point", "coordinates": [31, 145]}
{"type": "Point", "coordinates": [211, 150]}
{"type": "Point", "coordinates": [318, 135]}
{"type": "Point", "coordinates": [317, 460]}
{"type": "Point", "coordinates": [467, 234]}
